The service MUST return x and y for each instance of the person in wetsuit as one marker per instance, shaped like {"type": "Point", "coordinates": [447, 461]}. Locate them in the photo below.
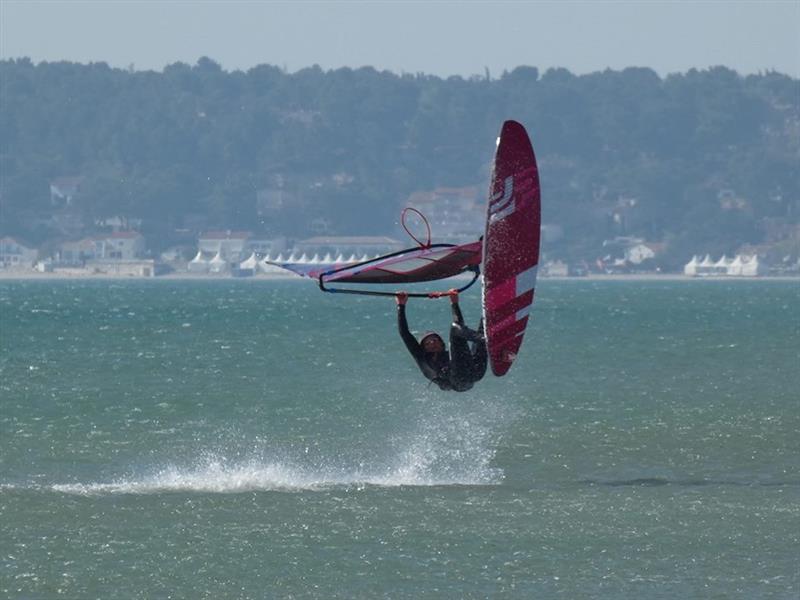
{"type": "Point", "coordinates": [457, 370]}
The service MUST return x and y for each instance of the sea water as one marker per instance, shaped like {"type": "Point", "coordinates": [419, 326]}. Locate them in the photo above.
{"type": "Point", "coordinates": [246, 439]}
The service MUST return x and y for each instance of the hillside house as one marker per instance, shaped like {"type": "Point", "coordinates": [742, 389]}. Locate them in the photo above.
{"type": "Point", "coordinates": [64, 189]}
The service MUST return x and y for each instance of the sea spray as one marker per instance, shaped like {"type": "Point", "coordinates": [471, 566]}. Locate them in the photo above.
{"type": "Point", "coordinates": [448, 443]}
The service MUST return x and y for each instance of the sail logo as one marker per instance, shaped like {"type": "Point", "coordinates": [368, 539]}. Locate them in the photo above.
{"type": "Point", "coordinates": [505, 201]}
{"type": "Point", "coordinates": [501, 203]}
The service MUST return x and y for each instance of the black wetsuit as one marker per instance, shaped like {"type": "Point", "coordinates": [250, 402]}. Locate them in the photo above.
{"type": "Point", "coordinates": [464, 365]}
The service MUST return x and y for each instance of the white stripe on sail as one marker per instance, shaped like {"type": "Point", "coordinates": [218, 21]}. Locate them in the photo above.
{"type": "Point", "coordinates": [526, 280]}
{"type": "Point", "coordinates": [523, 312]}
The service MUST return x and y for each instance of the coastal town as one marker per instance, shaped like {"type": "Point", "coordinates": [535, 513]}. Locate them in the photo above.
{"type": "Point", "coordinates": [113, 247]}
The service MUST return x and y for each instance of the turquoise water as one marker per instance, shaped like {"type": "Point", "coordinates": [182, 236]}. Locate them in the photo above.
{"type": "Point", "coordinates": [245, 439]}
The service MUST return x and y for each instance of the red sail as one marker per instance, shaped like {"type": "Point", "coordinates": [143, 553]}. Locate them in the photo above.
{"type": "Point", "coordinates": [511, 245]}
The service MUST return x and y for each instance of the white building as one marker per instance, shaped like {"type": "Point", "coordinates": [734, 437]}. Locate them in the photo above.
{"type": "Point", "coordinates": [121, 245]}
{"type": "Point", "coordinates": [555, 268]}
{"type": "Point", "coordinates": [229, 245]}
{"type": "Point", "coordinates": [264, 247]}
{"type": "Point", "coordinates": [75, 253]}
{"type": "Point", "coordinates": [14, 254]}
{"type": "Point", "coordinates": [122, 267]}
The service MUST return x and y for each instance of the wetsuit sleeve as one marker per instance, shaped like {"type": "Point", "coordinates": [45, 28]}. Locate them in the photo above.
{"type": "Point", "coordinates": [457, 316]}
{"type": "Point", "coordinates": [413, 345]}
{"type": "Point", "coordinates": [459, 329]}
{"type": "Point", "coordinates": [410, 341]}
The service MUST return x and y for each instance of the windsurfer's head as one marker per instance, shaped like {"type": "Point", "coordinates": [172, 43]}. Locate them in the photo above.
{"type": "Point", "coordinates": [432, 343]}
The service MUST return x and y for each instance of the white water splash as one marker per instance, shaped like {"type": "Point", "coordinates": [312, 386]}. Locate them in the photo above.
{"type": "Point", "coordinates": [443, 447]}
{"type": "Point", "coordinates": [414, 468]}
{"type": "Point", "coordinates": [216, 476]}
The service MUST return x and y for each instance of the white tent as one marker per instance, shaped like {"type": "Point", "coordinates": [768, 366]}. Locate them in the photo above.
{"type": "Point", "coordinates": [250, 263]}
{"type": "Point", "coordinates": [690, 268]}
{"type": "Point", "coordinates": [721, 266]}
{"type": "Point", "coordinates": [751, 267]}
{"type": "Point", "coordinates": [217, 264]}
{"type": "Point", "coordinates": [706, 266]}
{"type": "Point", "coordinates": [328, 259]}
{"type": "Point", "coordinates": [735, 266]}
{"type": "Point", "coordinates": [265, 265]}
{"type": "Point", "coordinates": [198, 264]}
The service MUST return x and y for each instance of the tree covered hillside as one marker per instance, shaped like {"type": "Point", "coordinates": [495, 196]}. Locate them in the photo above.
{"type": "Point", "coordinates": [705, 161]}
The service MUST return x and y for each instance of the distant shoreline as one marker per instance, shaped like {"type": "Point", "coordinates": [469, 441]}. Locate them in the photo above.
{"type": "Point", "coordinates": [76, 276]}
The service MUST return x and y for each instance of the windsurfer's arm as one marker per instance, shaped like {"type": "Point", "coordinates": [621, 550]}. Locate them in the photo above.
{"type": "Point", "coordinates": [457, 316]}
{"type": "Point", "coordinates": [459, 329]}
{"type": "Point", "coordinates": [402, 325]}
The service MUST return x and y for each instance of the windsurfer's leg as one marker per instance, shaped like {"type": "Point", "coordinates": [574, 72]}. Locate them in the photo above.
{"type": "Point", "coordinates": [479, 358]}
{"type": "Point", "coordinates": [471, 335]}
{"type": "Point", "coordinates": [461, 362]}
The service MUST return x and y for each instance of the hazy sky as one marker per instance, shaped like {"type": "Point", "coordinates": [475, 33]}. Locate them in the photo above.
{"type": "Point", "coordinates": [439, 38]}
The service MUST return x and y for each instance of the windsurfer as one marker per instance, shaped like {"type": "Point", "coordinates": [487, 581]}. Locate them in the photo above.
{"type": "Point", "coordinates": [457, 370]}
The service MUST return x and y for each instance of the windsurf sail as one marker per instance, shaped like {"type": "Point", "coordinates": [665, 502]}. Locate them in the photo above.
{"type": "Point", "coordinates": [426, 262]}
{"type": "Point", "coordinates": [414, 265]}
{"type": "Point", "coordinates": [513, 225]}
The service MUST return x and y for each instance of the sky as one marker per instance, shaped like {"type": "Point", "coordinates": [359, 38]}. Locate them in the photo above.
{"type": "Point", "coordinates": [440, 38]}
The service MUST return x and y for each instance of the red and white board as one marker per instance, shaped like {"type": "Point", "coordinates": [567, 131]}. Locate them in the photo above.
{"type": "Point", "coordinates": [510, 246]}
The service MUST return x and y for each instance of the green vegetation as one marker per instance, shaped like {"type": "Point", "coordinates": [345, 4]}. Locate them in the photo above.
{"type": "Point", "coordinates": [704, 161]}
